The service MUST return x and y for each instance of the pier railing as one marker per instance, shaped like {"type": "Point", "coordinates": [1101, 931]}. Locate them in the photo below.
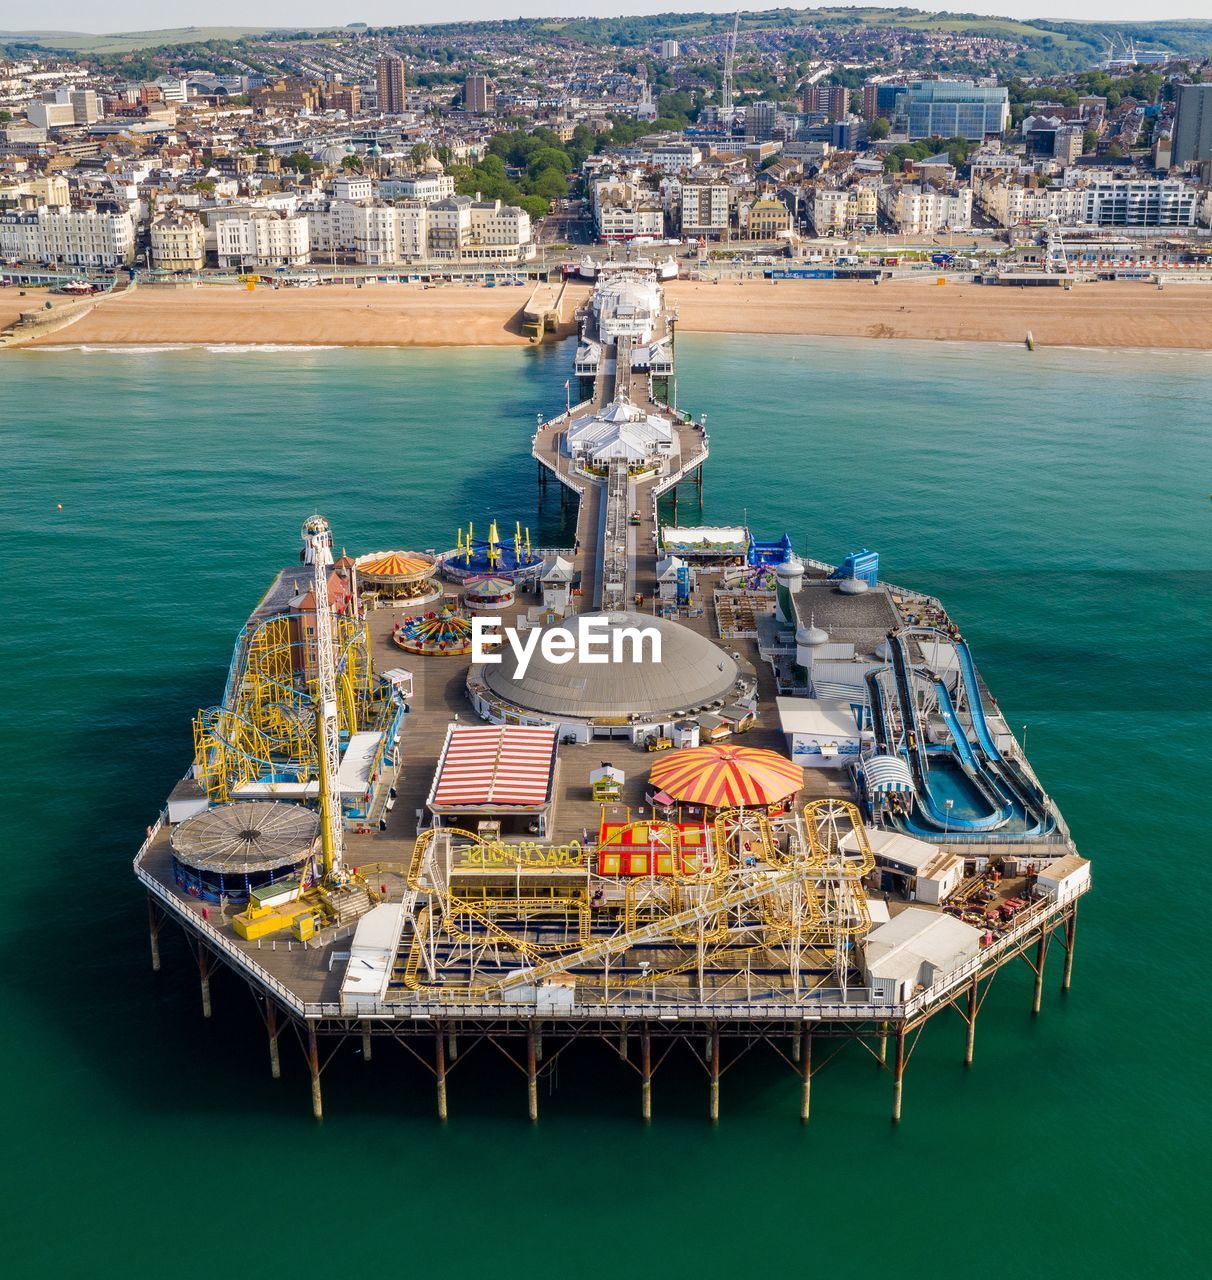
{"type": "Point", "coordinates": [210, 935]}
{"type": "Point", "coordinates": [659, 1003]}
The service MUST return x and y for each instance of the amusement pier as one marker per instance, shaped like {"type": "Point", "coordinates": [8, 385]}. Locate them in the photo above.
{"type": "Point", "coordinates": [795, 820]}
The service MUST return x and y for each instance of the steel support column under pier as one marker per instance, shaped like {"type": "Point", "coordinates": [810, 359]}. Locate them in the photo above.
{"type": "Point", "coordinates": [439, 1070]}
{"type": "Point", "coordinates": [806, 1071]}
{"type": "Point", "coordinates": [271, 1029]}
{"type": "Point", "coordinates": [1070, 940]}
{"type": "Point", "coordinates": [715, 1072]}
{"type": "Point", "coordinates": [153, 928]}
{"type": "Point", "coordinates": [532, 1073]}
{"type": "Point", "coordinates": [313, 1063]}
{"type": "Point", "coordinates": [898, 1073]}
{"type": "Point", "coordinates": [970, 1041]}
{"type": "Point", "coordinates": [646, 1073]}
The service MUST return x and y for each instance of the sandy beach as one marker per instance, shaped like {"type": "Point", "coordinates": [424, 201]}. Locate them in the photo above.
{"type": "Point", "coordinates": [1093, 315]}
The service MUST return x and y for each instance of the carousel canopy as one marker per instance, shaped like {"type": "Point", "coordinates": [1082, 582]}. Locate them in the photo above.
{"type": "Point", "coordinates": [887, 773]}
{"type": "Point", "coordinates": [251, 835]}
{"type": "Point", "coordinates": [726, 776]}
{"type": "Point", "coordinates": [487, 587]}
{"type": "Point", "coordinates": [394, 566]}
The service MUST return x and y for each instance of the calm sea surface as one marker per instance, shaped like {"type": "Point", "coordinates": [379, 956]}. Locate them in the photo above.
{"type": "Point", "coordinates": [1058, 502]}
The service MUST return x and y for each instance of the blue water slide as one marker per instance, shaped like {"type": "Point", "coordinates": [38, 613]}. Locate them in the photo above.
{"type": "Point", "coordinates": [980, 725]}
{"type": "Point", "coordinates": [963, 747]}
{"type": "Point", "coordinates": [930, 807]}
{"type": "Point", "coordinates": [879, 717]}
{"type": "Point", "coordinates": [900, 668]}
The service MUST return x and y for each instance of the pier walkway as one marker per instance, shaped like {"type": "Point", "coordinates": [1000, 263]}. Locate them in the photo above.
{"type": "Point", "coordinates": [616, 559]}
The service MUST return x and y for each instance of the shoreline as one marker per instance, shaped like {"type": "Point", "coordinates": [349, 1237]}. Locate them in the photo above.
{"type": "Point", "coordinates": [1100, 316]}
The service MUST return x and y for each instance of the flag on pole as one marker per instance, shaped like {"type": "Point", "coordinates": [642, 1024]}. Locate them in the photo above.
{"type": "Point", "coordinates": [567, 384]}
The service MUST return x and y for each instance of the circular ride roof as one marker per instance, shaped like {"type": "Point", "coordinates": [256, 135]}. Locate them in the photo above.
{"type": "Point", "coordinates": [250, 835]}
{"type": "Point", "coordinates": [395, 566]}
{"type": "Point", "coordinates": [692, 672]}
{"type": "Point", "coordinates": [726, 776]}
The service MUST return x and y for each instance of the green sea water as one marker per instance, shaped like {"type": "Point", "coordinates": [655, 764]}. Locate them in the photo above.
{"type": "Point", "coordinates": [1058, 502]}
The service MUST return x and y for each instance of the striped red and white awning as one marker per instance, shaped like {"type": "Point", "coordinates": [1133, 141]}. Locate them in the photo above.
{"type": "Point", "coordinates": [488, 766]}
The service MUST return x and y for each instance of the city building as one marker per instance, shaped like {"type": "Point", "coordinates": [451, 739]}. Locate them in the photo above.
{"type": "Point", "coordinates": [830, 98]}
{"type": "Point", "coordinates": [479, 95]}
{"type": "Point", "coordinates": [668, 49]}
{"type": "Point", "coordinates": [252, 237]}
{"type": "Point", "coordinates": [769, 220]}
{"type": "Point", "coordinates": [705, 209]}
{"type": "Point", "coordinates": [1192, 137]}
{"type": "Point", "coordinates": [952, 109]}
{"type": "Point", "coordinates": [178, 242]}
{"type": "Point", "coordinates": [64, 108]}
{"type": "Point", "coordinates": [879, 99]}
{"type": "Point", "coordinates": [426, 187]}
{"type": "Point", "coordinates": [924, 210]}
{"type": "Point", "coordinates": [1141, 204]}
{"type": "Point", "coordinates": [54, 235]}
{"type": "Point", "coordinates": [389, 78]}
{"type": "Point", "coordinates": [1109, 203]}
{"type": "Point", "coordinates": [343, 97]}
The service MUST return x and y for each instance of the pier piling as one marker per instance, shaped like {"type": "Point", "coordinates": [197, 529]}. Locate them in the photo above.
{"type": "Point", "coordinates": [1041, 954]}
{"type": "Point", "coordinates": [1070, 940]}
{"type": "Point", "coordinates": [806, 1072]}
{"type": "Point", "coordinates": [970, 1042]}
{"type": "Point", "coordinates": [883, 1044]}
{"type": "Point", "coordinates": [715, 1072]}
{"type": "Point", "coordinates": [271, 1029]}
{"type": "Point", "coordinates": [532, 1074]}
{"type": "Point", "coordinates": [439, 1070]}
{"type": "Point", "coordinates": [366, 1043]}
{"type": "Point", "coordinates": [452, 1042]}
{"type": "Point", "coordinates": [313, 1062]}
{"type": "Point", "coordinates": [204, 979]}
{"type": "Point", "coordinates": [898, 1074]}
{"type": "Point", "coordinates": [153, 928]}
{"type": "Point", "coordinates": [646, 1073]}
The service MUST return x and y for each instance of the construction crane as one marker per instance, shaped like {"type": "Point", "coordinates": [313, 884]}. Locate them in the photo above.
{"type": "Point", "coordinates": [727, 114]}
{"type": "Point", "coordinates": [317, 552]}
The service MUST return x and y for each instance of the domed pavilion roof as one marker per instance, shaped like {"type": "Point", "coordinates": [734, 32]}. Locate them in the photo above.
{"type": "Point", "coordinates": [693, 672]}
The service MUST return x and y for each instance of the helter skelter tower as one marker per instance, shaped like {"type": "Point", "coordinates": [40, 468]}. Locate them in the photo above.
{"type": "Point", "coordinates": [317, 552]}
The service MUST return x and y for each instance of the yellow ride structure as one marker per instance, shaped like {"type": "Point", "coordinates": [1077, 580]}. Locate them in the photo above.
{"type": "Point", "coordinates": [265, 728]}
{"type": "Point", "coordinates": [767, 904]}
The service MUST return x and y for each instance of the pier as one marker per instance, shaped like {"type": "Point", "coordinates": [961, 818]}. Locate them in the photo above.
{"type": "Point", "coordinates": [514, 879]}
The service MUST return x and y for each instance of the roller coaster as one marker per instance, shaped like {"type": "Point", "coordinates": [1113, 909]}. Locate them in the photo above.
{"type": "Point", "coordinates": [771, 904]}
{"type": "Point", "coordinates": [264, 730]}
{"type": "Point", "coordinates": [966, 787]}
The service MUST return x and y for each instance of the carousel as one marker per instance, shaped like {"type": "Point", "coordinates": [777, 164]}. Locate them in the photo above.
{"type": "Point", "coordinates": [398, 577]}
{"type": "Point", "coordinates": [510, 558]}
{"type": "Point", "coordinates": [443, 633]}
{"type": "Point", "coordinates": [725, 777]}
{"type": "Point", "coordinates": [488, 593]}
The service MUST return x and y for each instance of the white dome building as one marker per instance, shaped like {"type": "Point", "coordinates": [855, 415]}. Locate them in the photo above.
{"type": "Point", "coordinates": [628, 698]}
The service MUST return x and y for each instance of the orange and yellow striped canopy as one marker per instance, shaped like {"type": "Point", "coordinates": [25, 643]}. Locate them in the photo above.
{"type": "Point", "coordinates": [395, 564]}
{"type": "Point", "coordinates": [726, 776]}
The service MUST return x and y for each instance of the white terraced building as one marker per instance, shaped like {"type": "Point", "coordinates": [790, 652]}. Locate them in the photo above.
{"type": "Point", "coordinates": [53, 235]}
{"type": "Point", "coordinates": [923, 210]}
{"type": "Point", "coordinates": [1101, 204]}
{"type": "Point", "coordinates": [261, 238]}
